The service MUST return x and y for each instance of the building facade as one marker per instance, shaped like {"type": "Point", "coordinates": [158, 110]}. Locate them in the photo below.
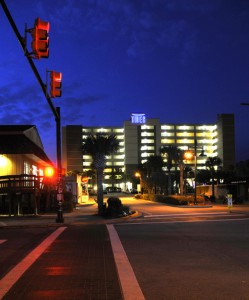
{"type": "Point", "coordinates": [23, 162]}
{"type": "Point", "coordinates": [139, 140]}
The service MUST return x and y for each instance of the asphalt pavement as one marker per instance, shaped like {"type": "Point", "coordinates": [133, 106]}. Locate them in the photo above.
{"type": "Point", "coordinates": [81, 255]}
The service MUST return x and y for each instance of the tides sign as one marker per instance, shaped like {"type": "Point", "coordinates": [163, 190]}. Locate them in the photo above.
{"type": "Point", "coordinates": [138, 118]}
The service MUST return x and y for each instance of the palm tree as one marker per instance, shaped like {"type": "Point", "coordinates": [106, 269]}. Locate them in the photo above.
{"type": "Point", "coordinates": [154, 167]}
{"type": "Point", "coordinates": [172, 154]}
{"type": "Point", "coordinates": [100, 146]}
{"type": "Point", "coordinates": [211, 163]}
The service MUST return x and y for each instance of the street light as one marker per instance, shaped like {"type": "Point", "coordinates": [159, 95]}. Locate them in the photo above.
{"type": "Point", "coordinates": [189, 155]}
{"type": "Point", "coordinates": [137, 174]}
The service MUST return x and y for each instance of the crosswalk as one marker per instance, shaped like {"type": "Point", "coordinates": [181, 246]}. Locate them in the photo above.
{"type": "Point", "coordinates": [182, 215]}
{"type": "Point", "coordinates": [148, 218]}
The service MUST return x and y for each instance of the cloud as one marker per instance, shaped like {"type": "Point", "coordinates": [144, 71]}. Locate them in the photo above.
{"type": "Point", "coordinates": [71, 113]}
{"type": "Point", "coordinates": [203, 7]}
{"type": "Point", "coordinates": [140, 26]}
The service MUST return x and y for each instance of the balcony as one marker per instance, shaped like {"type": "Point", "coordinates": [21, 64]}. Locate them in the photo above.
{"type": "Point", "coordinates": [20, 194]}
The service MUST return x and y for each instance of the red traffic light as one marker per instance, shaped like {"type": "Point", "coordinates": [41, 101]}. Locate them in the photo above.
{"type": "Point", "coordinates": [55, 84]}
{"type": "Point", "coordinates": [40, 40]}
{"type": "Point", "coordinates": [49, 172]}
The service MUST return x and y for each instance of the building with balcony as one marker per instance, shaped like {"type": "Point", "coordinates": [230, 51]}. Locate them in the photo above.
{"type": "Point", "coordinates": [140, 138]}
{"type": "Point", "coordinates": [22, 165]}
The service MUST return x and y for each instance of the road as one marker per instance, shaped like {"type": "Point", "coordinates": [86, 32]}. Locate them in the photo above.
{"type": "Point", "coordinates": [173, 253]}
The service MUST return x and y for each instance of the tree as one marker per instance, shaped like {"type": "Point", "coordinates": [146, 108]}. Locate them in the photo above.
{"type": "Point", "coordinates": [211, 163]}
{"type": "Point", "coordinates": [172, 154]}
{"type": "Point", "coordinates": [100, 146]}
{"type": "Point", "coordinates": [154, 167]}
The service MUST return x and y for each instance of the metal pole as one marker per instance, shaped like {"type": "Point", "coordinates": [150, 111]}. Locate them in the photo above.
{"type": "Point", "coordinates": [181, 178]}
{"type": "Point", "coordinates": [58, 141]}
{"type": "Point", "coordinates": [43, 86]}
{"type": "Point", "coordinates": [59, 218]}
{"type": "Point", "coordinates": [195, 199]}
{"type": "Point", "coordinates": [23, 45]}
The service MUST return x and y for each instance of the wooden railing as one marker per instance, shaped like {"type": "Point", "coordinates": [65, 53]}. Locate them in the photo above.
{"type": "Point", "coordinates": [20, 183]}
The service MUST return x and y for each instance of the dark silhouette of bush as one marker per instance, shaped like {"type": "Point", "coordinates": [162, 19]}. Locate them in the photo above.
{"type": "Point", "coordinates": [114, 208]}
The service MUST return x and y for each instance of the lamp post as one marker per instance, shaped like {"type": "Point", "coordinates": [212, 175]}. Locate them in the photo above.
{"type": "Point", "coordinates": [181, 165]}
{"type": "Point", "coordinates": [137, 174]}
{"type": "Point", "coordinates": [189, 155]}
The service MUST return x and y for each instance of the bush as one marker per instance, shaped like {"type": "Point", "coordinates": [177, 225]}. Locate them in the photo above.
{"type": "Point", "coordinates": [68, 203]}
{"type": "Point", "coordinates": [173, 200]}
{"type": "Point", "coordinates": [114, 208]}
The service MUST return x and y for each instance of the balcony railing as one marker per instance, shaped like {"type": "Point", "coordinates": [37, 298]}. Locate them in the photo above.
{"type": "Point", "coordinates": [20, 183]}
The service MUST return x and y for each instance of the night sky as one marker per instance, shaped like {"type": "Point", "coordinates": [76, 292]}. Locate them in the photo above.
{"type": "Point", "coordinates": [179, 61]}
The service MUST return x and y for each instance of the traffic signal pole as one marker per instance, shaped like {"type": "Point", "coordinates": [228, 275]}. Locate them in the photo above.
{"type": "Point", "coordinates": [59, 192]}
{"type": "Point", "coordinates": [56, 111]}
{"type": "Point", "coordinates": [33, 67]}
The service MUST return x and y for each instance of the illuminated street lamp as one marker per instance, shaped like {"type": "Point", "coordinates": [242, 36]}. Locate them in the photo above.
{"type": "Point", "coordinates": [189, 155]}
{"type": "Point", "coordinates": [137, 174]}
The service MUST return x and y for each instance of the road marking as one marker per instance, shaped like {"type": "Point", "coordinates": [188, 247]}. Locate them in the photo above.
{"type": "Point", "coordinates": [11, 278]}
{"type": "Point", "coordinates": [181, 221]}
{"type": "Point", "coordinates": [194, 214]}
{"type": "Point", "coordinates": [130, 287]}
{"type": "Point", "coordinates": [2, 241]}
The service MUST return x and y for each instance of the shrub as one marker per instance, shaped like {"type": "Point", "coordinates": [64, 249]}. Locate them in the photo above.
{"type": "Point", "coordinates": [68, 203]}
{"type": "Point", "coordinates": [114, 208]}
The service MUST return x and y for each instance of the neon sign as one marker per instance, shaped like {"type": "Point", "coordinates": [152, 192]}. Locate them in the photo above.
{"type": "Point", "coordinates": [138, 118]}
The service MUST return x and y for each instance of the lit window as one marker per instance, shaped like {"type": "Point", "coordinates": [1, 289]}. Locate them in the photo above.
{"type": "Point", "coordinates": [119, 130]}
{"type": "Point", "coordinates": [147, 133]}
{"type": "Point", "coordinates": [147, 141]}
{"type": "Point", "coordinates": [185, 141]}
{"type": "Point", "coordinates": [144, 127]}
{"type": "Point", "coordinates": [167, 141]}
{"type": "Point", "coordinates": [184, 127]}
{"type": "Point", "coordinates": [169, 127]}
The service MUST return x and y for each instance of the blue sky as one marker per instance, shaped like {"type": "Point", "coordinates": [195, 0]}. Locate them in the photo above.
{"type": "Point", "coordinates": [183, 61]}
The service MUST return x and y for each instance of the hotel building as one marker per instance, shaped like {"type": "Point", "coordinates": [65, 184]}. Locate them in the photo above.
{"type": "Point", "coordinates": [140, 138]}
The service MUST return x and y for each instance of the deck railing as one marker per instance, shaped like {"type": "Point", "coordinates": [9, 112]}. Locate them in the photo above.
{"type": "Point", "coordinates": [20, 183]}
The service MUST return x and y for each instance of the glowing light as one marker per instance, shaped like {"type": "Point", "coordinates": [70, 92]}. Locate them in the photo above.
{"type": "Point", "coordinates": [188, 155]}
{"type": "Point", "coordinates": [3, 161]}
{"type": "Point", "coordinates": [49, 172]}
{"type": "Point", "coordinates": [138, 118]}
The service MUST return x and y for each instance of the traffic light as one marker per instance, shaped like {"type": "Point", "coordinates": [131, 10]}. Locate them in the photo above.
{"type": "Point", "coordinates": [49, 172]}
{"type": "Point", "coordinates": [55, 84]}
{"type": "Point", "coordinates": [40, 40]}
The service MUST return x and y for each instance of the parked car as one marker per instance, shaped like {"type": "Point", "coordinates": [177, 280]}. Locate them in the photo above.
{"type": "Point", "coordinates": [114, 189]}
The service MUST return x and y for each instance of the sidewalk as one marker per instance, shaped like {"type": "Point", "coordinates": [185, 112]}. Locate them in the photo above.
{"type": "Point", "coordinates": [86, 212]}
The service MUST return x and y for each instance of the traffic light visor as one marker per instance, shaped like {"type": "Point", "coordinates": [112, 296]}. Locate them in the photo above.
{"type": "Point", "coordinates": [42, 25]}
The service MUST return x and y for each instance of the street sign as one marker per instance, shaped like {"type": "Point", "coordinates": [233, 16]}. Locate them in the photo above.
{"type": "Point", "coordinates": [229, 201]}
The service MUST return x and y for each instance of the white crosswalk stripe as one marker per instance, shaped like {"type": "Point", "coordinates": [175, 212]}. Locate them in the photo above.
{"type": "Point", "coordinates": [191, 215]}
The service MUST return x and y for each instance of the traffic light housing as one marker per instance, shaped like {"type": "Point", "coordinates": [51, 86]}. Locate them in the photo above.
{"type": "Point", "coordinates": [55, 84]}
{"type": "Point", "coordinates": [40, 40]}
